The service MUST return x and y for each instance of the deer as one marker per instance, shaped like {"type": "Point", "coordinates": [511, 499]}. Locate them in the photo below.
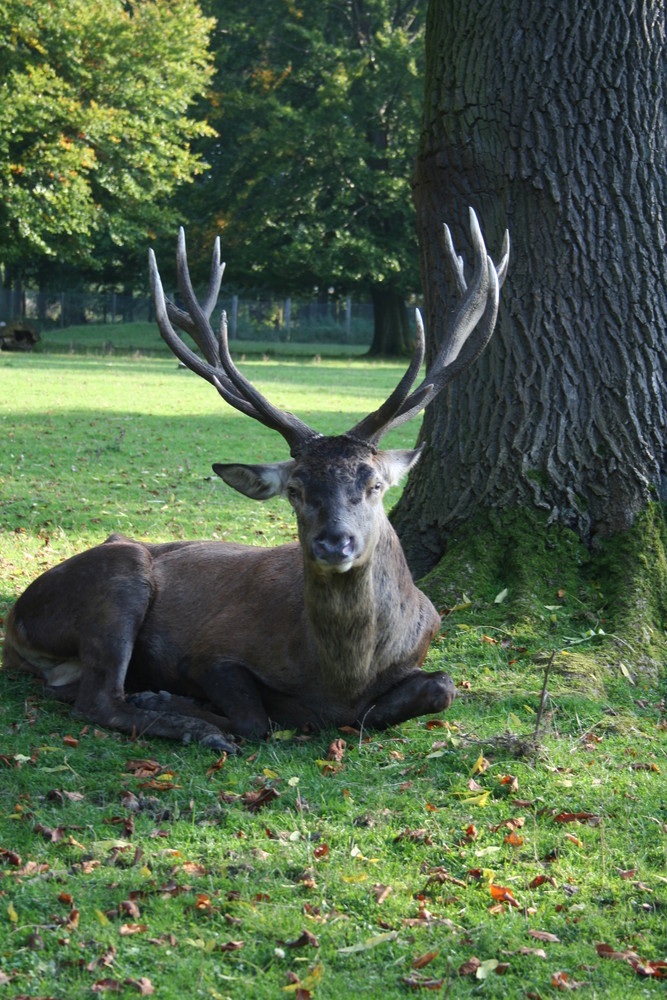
{"type": "Point", "coordinates": [212, 641]}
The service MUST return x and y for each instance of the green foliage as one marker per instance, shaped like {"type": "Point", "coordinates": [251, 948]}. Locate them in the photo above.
{"type": "Point", "coordinates": [97, 124]}
{"type": "Point", "coordinates": [165, 878]}
{"type": "Point", "coordinates": [318, 109]}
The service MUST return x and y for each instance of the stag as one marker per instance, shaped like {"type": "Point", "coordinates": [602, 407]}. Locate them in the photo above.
{"type": "Point", "coordinates": [207, 640]}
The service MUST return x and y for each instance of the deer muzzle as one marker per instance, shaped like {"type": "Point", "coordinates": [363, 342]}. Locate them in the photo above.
{"type": "Point", "coordinates": [335, 550]}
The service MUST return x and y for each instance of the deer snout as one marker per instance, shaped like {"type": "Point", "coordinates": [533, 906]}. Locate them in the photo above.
{"type": "Point", "coordinates": [335, 549]}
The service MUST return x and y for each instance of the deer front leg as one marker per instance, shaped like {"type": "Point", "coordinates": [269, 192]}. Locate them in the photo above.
{"type": "Point", "coordinates": [420, 693]}
{"type": "Point", "coordinates": [106, 643]}
{"type": "Point", "coordinates": [225, 694]}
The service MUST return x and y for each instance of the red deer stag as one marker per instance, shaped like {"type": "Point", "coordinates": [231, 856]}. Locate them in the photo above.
{"type": "Point", "coordinates": [195, 640]}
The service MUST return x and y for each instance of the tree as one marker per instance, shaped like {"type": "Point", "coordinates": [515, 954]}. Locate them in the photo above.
{"type": "Point", "coordinates": [549, 118]}
{"type": "Point", "coordinates": [96, 126]}
{"type": "Point", "coordinates": [318, 108]}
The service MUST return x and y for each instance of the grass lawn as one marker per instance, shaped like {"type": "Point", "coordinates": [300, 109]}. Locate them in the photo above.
{"type": "Point", "coordinates": [459, 855]}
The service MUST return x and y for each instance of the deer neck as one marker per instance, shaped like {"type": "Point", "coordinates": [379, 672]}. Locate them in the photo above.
{"type": "Point", "coordinates": [349, 614]}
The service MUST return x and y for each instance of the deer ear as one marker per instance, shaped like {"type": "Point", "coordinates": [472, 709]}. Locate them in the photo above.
{"type": "Point", "coordinates": [260, 482]}
{"type": "Point", "coordinates": [396, 463]}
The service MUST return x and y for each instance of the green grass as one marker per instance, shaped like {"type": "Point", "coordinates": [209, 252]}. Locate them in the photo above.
{"type": "Point", "coordinates": [109, 876]}
{"type": "Point", "coordinates": [123, 338]}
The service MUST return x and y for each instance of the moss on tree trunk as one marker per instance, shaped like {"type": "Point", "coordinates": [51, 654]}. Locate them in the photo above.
{"type": "Point", "coordinates": [531, 571]}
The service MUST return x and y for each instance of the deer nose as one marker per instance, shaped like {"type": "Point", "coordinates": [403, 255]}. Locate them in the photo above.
{"type": "Point", "coordinates": [333, 547]}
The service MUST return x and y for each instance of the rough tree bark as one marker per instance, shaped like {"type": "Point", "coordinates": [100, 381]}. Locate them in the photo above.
{"type": "Point", "coordinates": [548, 117]}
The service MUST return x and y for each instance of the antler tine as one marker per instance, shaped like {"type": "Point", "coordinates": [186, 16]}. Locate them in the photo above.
{"type": "Point", "coordinates": [182, 319]}
{"type": "Point", "coordinates": [199, 314]}
{"type": "Point", "coordinates": [371, 425]}
{"type": "Point", "coordinates": [466, 335]}
{"type": "Point", "coordinates": [294, 430]}
{"type": "Point", "coordinates": [181, 349]}
{"type": "Point", "coordinates": [504, 261]}
{"type": "Point", "coordinates": [218, 369]}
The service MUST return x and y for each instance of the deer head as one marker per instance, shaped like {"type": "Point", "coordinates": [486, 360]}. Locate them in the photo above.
{"type": "Point", "coordinates": [334, 484]}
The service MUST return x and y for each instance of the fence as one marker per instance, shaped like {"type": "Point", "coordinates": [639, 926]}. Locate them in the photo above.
{"type": "Point", "coordinates": [257, 318]}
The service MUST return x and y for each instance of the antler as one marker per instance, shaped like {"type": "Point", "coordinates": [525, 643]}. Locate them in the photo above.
{"type": "Point", "coordinates": [218, 367]}
{"type": "Point", "coordinates": [466, 335]}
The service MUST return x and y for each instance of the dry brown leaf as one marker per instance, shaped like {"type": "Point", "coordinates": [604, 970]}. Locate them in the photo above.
{"type": "Point", "coordinates": [425, 959]}
{"type": "Point", "coordinates": [470, 967]}
{"type": "Point", "coordinates": [562, 982]}
{"type": "Point", "coordinates": [231, 946]}
{"type": "Point", "coordinates": [541, 879]}
{"type": "Point", "coordinates": [578, 817]}
{"type": "Point", "coordinates": [336, 751]}
{"type": "Point", "coordinates": [544, 936]}
{"type": "Point", "coordinates": [502, 894]}
{"type": "Point", "coordinates": [537, 952]}
{"type": "Point", "coordinates": [419, 982]}
{"type": "Point", "coordinates": [126, 930]}
{"type": "Point", "coordinates": [420, 836]}
{"type": "Point", "coordinates": [142, 768]}
{"type": "Point", "coordinates": [254, 801]}
{"type": "Point", "coordinates": [143, 984]}
{"type": "Point", "coordinates": [305, 940]}
{"type": "Point", "coordinates": [381, 892]}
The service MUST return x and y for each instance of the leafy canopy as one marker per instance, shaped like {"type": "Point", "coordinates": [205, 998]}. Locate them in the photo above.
{"type": "Point", "coordinates": [318, 108]}
{"type": "Point", "coordinates": [97, 122]}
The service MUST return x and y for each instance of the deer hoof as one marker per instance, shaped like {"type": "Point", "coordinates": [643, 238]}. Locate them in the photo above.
{"type": "Point", "coordinates": [150, 700]}
{"type": "Point", "coordinates": [216, 741]}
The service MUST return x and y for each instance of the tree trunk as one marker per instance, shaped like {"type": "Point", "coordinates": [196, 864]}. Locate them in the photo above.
{"type": "Point", "coordinates": [548, 117]}
{"type": "Point", "coordinates": [391, 330]}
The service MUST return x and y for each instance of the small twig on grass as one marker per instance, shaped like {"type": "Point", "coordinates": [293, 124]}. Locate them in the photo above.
{"type": "Point", "coordinates": [543, 697]}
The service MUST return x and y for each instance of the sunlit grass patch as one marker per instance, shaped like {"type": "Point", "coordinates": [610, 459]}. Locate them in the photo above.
{"type": "Point", "coordinates": [496, 850]}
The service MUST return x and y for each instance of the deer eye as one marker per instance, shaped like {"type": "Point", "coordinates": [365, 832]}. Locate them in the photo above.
{"type": "Point", "coordinates": [293, 494]}
{"type": "Point", "coordinates": [375, 488]}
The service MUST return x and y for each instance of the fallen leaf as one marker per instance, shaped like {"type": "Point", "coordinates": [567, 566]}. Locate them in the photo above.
{"type": "Point", "coordinates": [369, 943]}
{"type": "Point", "coordinates": [220, 762]}
{"type": "Point", "coordinates": [470, 967]}
{"type": "Point", "coordinates": [544, 936]}
{"type": "Point", "coordinates": [336, 751]}
{"type": "Point", "coordinates": [419, 835]}
{"type": "Point", "coordinates": [230, 946]}
{"type": "Point", "coordinates": [486, 967]}
{"type": "Point", "coordinates": [143, 984]}
{"type": "Point", "coordinates": [419, 982]}
{"type": "Point", "coordinates": [253, 801]}
{"type": "Point", "coordinates": [309, 982]}
{"type": "Point", "coordinates": [425, 959]}
{"type": "Point", "coordinates": [579, 817]}
{"type": "Point", "coordinates": [381, 892]}
{"type": "Point", "coordinates": [537, 952]}
{"type": "Point", "coordinates": [480, 765]}
{"type": "Point", "coordinates": [305, 939]}
{"type": "Point", "coordinates": [562, 981]}
{"type": "Point", "coordinates": [502, 894]}
{"type": "Point", "coordinates": [126, 930]}
{"type": "Point", "coordinates": [142, 768]}
{"type": "Point", "coordinates": [514, 840]}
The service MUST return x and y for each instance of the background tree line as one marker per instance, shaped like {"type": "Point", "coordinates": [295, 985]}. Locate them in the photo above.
{"type": "Point", "coordinates": [292, 134]}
